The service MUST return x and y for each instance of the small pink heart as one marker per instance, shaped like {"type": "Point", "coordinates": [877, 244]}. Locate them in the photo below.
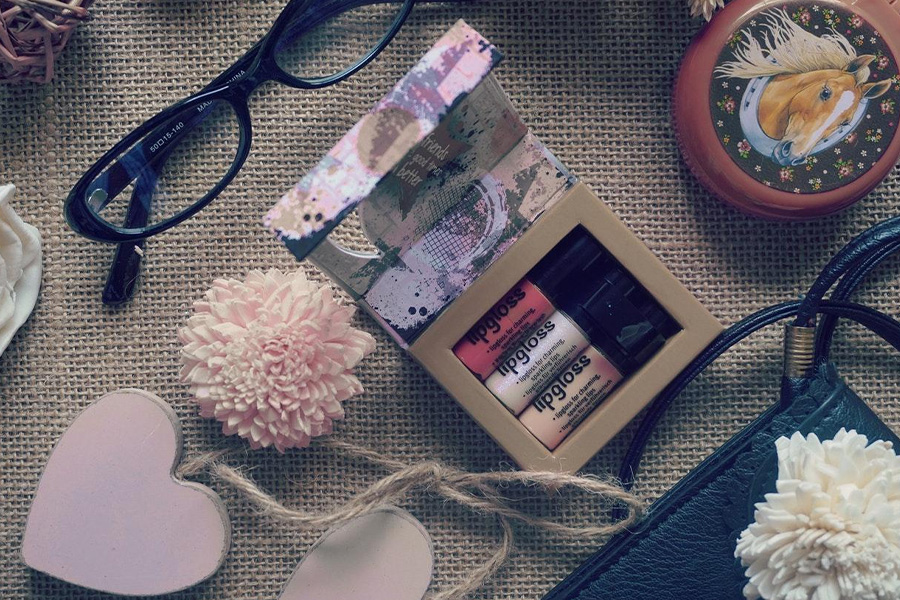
{"type": "Point", "coordinates": [383, 555]}
{"type": "Point", "coordinates": [109, 514]}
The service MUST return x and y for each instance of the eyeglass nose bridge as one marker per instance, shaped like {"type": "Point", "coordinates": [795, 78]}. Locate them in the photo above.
{"type": "Point", "coordinates": [247, 84]}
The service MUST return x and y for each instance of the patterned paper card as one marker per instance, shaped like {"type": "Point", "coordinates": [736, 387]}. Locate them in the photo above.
{"type": "Point", "coordinates": [450, 177]}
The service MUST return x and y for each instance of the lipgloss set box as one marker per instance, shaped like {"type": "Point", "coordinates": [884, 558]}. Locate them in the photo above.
{"type": "Point", "coordinates": [505, 278]}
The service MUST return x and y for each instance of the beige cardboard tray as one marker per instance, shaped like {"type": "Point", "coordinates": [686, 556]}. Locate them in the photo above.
{"type": "Point", "coordinates": [580, 206]}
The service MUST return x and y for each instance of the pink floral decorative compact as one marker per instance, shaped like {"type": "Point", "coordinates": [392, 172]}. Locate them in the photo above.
{"type": "Point", "coordinates": [789, 110]}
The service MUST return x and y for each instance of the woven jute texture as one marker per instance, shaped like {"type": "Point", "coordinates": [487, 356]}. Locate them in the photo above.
{"type": "Point", "coordinates": [592, 79]}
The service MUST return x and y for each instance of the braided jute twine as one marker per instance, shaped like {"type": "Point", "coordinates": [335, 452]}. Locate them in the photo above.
{"type": "Point", "coordinates": [479, 492]}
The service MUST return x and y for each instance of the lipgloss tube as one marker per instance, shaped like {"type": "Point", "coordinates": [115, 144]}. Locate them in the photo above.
{"type": "Point", "coordinates": [577, 391]}
{"type": "Point", "coordinates": [534, 362]}
{"type": "Point", "coordinates": [528, 304]}
{"type": "Point", "coordinates": [532, 365]}
{"type": "Point", "coordinates": [631, 331]}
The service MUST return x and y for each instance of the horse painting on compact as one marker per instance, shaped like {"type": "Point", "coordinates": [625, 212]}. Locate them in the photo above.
{"type": "Point", "coordinates": [805, 97]}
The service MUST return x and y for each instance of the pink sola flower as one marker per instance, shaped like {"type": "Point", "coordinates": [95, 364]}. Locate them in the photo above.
{"type": "Point", "coordinates": [271, 358]}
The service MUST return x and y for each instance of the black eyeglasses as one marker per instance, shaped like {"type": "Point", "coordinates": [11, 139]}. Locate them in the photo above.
{"type": "Point", "coordinates": [169, 162]}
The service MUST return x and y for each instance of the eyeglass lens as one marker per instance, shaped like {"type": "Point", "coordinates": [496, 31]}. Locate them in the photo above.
{"type": "Point", "coordinates": [184, 159]}
{"type": "Point", "coordinates": [334, 44]}
{"type": "Point", "coordinates": [170, 169]}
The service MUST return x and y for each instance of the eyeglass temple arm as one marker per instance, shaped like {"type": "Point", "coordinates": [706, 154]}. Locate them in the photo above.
{"type": "Point", "coordinates": [126, 263]}
{"type": "Point", "coordinates": [123, 272]}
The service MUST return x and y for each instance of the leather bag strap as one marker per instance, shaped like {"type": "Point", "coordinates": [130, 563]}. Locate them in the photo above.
{"type": "Point", "coordinates": [851, 266]}
{"type": "Point", "coordinates": [844, 290]}
{"type": "Point", "coordinates": [885, 326]}
{"type": "Point", "coordinates": [862, 249]}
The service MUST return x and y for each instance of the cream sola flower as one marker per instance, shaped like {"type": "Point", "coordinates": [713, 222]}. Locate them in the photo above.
{"type": "Point", "coordinates": [271, 358]}
{"type": "Point", "coordinates": [706, 8]}
{"type": "Point", "coordinates": [20, 268]}
{"type": "Point", "coordinates": [831, 531]}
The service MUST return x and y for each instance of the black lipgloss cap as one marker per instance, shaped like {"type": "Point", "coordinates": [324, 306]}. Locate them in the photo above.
{"type": "Point", "coordinates": [618, 322]}
{"type": "Point", "coordinates": [566, 266]}
{"type": "Point", "coordinates": [657, 316]}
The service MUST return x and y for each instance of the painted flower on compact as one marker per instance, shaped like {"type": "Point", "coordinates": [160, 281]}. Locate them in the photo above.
{"type": "Point", "coordinates": [844, 167]}
{"type": "Point", "coordinates": [801, 16]}
{"type": "Point", "coordinates": [272, 358]}
{"type": "Point", "coordinates": [831, 530]}
{"type": "Point", "coordinates": [786, 174]}
{"type": "Point", "coordinates": [727, 104]}
{"type": "Point", "coordinates": [744, 148]}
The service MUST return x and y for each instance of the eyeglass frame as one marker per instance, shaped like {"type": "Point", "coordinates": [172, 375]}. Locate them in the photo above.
{"type": "Point", "coordinates": [235, 85]}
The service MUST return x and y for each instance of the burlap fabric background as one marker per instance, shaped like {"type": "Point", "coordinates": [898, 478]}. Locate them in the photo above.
{"type": "Point", "coordinates": [593, 80]}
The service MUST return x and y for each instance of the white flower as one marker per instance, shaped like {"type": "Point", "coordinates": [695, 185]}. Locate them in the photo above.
{"type": "Point", "coordinates": [705, 7]}
{"type": "Point", "coordinates": [831, 531]}
{"type": "Point", "coordinates": [20, 268]}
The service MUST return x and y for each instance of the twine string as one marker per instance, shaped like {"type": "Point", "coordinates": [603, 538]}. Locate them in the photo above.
{"type": "Point", "coordinates": [479, 492]}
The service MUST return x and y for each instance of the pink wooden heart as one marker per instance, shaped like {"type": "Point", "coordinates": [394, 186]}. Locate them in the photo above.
{"type": "Point", "coordinates": [109, 514]}
{"type": "Point", "coordinates": [383, 555]}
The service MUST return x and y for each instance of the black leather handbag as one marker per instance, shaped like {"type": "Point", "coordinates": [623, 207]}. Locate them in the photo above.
{"type": "Point", "coordinates": [684, 548]}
